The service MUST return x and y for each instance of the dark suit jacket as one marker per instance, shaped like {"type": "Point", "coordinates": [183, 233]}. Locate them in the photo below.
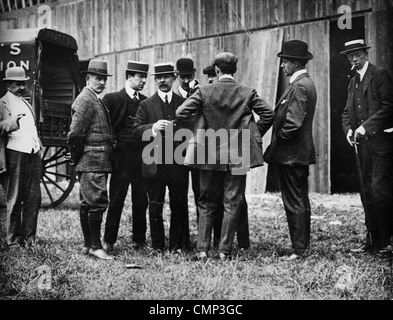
{"type": "Point", "coordinates": [292, 141]}
{"type": "Point", "coordinates": [148, 113]}
{"type": "Point", "coordinates": [225, 105]}
{"type": "Point", "coordinates": [116, 102]}
{"type": "Point", "coordinates": [90, 139]}
{"type": "Point", "coordinates": [378, 97]}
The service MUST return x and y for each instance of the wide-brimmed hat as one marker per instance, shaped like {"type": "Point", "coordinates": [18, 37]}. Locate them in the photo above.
{"type": "Point", "coordinates": [136, 66]}
{"type": "Point", "coordinates": [225, 59]}
{"type": "Point", "coordinates": [209, 70]}
{"type": "Point", "coordinates": [15, 74]}
{"type": "Point", "coordinates": [185, 66]}
{"type": "Point", "coordinates": [97, 66]}
{"type": "Point", "coordinates": [163, 68]}
{"type": "Point", "coordinates": [354, 45]}
{"type": "Point", "coordinates": [295, 49]}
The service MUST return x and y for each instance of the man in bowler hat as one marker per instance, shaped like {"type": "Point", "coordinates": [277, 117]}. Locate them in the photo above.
{"type": "Point", "coordinates": [155, 124]}
{"type": "Point", "coordinates": [90, 143]}
{"type": "Point", "coordinates": [292, 147]}
{"type": "Point", "coordinates": [368, 119]}
{"type": "Point", "coordinates": [185, 73]}
{"type": "Point", "coordinates": [122, 106]}
{"type": "Point", "coordinates": [226, 107]}
{"type": "Point", "coordinates": [20, 162]}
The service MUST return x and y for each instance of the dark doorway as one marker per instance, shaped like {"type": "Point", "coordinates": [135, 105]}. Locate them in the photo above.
{"type": "Point", "coordinates": [342, 165]}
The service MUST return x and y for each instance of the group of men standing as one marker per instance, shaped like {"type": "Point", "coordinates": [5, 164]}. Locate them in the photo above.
{"type": "Point", "coordinates": [110, 136]}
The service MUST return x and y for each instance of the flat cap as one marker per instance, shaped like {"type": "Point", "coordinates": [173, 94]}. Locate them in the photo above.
{"type": "Point", "coordinates": [209, 70]}
{"type": "Point", "coordinates": [226, 59]}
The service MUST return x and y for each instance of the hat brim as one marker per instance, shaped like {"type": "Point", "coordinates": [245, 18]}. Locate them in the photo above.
{"type": "Point", "coordinates": [308, 57]}
{"type": "Point", "coordinates": [16, 79]}
{"type": "Point", "coordinates": [99, 73]}
{"type": "Point", "coordinates": [354, 49]}
{"type": "Point", "coordinates": [165, 72]}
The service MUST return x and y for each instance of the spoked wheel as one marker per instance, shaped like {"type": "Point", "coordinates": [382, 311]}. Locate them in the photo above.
{"type": "Point", "coordinates": [58, 177]}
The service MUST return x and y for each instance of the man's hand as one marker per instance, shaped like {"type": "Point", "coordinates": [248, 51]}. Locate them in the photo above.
{"type": "Point", "coordinates": [359, 132]}
{"type": "Point", "coordinates": [349, 136]}
{"type": "Point", "coordinates": [160, 125]}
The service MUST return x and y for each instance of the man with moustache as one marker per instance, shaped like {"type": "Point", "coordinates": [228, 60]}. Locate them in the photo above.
{"type": "Point", "coordinates": [292, 147]}
{"type": "Point", "coordinates": [155, 123]}
{"type": "Point", "coordinates": [90, 142]}
{"type": "Point", "coordinates": [368, 119]}
{"type": "Point", "coordinates": [122, 106]}
{"type": "Point", "coordinates": [20, 162]}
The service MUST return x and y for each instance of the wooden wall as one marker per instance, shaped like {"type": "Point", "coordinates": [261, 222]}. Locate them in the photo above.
{"type": "Point", "coordinates": [165, 30]}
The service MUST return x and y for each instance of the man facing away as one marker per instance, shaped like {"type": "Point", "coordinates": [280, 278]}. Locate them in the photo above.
{"type": "Point", "coordinates": [292, 146]}
{"type": "Point", "coordinates": [155, 124]}
{"type": "Point", "coordinates": [20, 161]}
{"type": "Point", "coordinates": [122, 106]}
{"type": "Point", "coordinates": [224, 107]}
{"type": "Point", "coordinates": [368, 118]}
{"type": "Point", "coordinates": [90, 142]}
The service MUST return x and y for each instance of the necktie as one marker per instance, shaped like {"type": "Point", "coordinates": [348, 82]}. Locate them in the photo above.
{"type": "Point", "coordinates": [166, 99]}
{"type": "Point", "coordinates": [135, 96]}
{"type": "Point", "coordinates": [357, 79]}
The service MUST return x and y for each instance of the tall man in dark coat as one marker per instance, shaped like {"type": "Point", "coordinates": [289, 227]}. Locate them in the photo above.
{"type": "Point", "coordinates": [90, 142]}
{"type": "Point", "coordinates": [155, 124]}
{"type": "Point", "coordinates": [368, 116]}
{"type": "Point", "coordinates": [292, 147]}
{"type": "Point", "coordinates": [223, 108]}
{"type": "Point", "coordinates": [122, 106]}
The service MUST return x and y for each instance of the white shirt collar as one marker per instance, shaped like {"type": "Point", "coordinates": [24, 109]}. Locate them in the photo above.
{"type": "Point", "coordinates": [131, 91]}
{"type": "Point", "coordinates": [183, 92]}
{"type": "Point", "coordinates": [163, 94]}
{"type": "Point", "coordinates": [296, 74]}
{"type": "Point", "coordinates": [363, 70]}
{"type": "Point", "coordinates": [226, 76]}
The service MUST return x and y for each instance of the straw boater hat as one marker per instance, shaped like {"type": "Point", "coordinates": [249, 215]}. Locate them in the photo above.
{"type": "Point", "coordinates": [136, 66]}
{"type": "Point", "coordinates": [354, 45]}
{"type": "Point", "coordinates": [295, 49]}
{"type": "Point", "coordinates": [15, 74]}
{"type": "Point", "coordinates": [163, 68]}
{"type": "Point", "coordinates": [185, 66]}
{"type": "Point", "coordinates": [99, 67]}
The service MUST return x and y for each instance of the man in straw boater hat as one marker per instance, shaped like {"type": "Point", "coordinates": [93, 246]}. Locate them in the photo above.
{"type": "Point", "coordinates": [122, 106]}
{"type": "Point", "coordinates": [368, 120]}
{"type": "Point", "coordinates": [155, 124]}
{"type": "Point", "coordinates": [224, 107]}
{"type": "Point", "coordinates": [90, 142]}
{"type": "Point", "coordinates": [20, 162]}
{"type": "Point", "coordinates": [292, 146]}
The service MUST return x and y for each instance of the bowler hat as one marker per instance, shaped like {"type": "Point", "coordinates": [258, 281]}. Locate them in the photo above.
{"type": "Point", "coordinates": [225, 59]}
{"type": "Point", "coordinates": [295, 49]}
{"type": "Point", "coordinates": [354, 45]}
{"type": "Point", "coordinates": [209, 70]}
{"type": "Point", "coordinates": [15, 74]}
{"type": "Point", "coordinates": [99, 67]}
{"type": "Point", "coordinates": [185, 66]}
{"type": "Point", "coordinates": [135, 66]}
{"type": "Point", "coordinates": [163, 68]}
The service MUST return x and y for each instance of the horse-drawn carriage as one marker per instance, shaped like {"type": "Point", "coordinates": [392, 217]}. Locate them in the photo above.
{"type": "Point", "coordinates": [51, 61]}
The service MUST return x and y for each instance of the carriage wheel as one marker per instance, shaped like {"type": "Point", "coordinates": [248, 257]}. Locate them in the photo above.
{"type": "Point", "coordinates": [58, 177]}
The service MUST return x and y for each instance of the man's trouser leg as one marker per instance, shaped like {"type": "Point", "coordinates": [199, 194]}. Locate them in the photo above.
{"type": "Point", "coordinates": [94, 196]}
{"type": "Point", "coordinates": [294, 190]}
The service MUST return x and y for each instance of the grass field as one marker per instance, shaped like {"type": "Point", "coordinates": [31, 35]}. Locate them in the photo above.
{"type": "Point", "coordinates": [330, 272]}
